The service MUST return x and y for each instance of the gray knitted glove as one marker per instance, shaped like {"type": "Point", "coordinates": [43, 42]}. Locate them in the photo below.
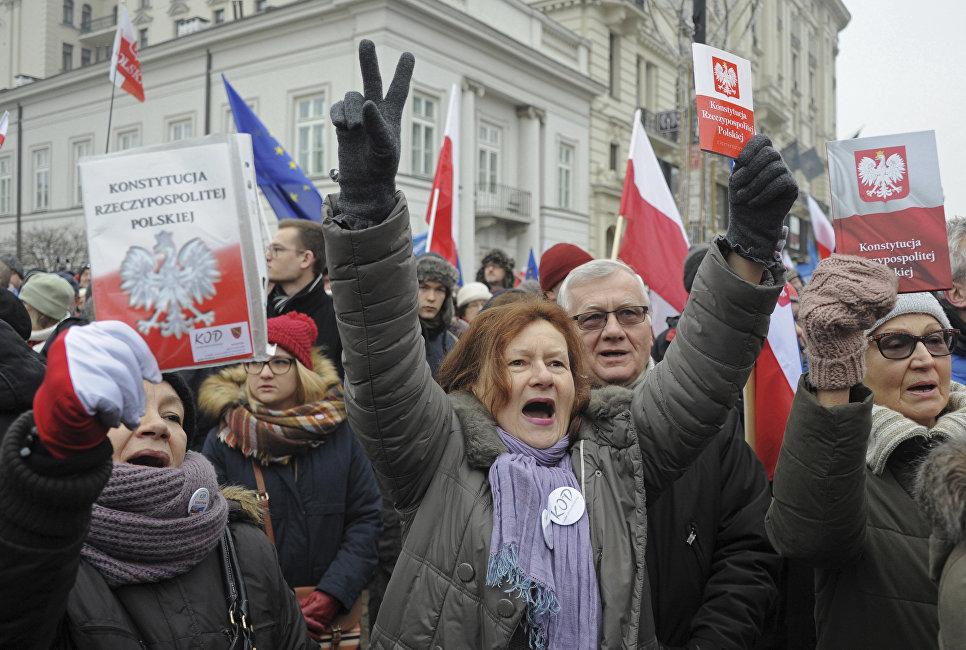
{"type": "Point", "coordinates": [846, 295]}
{"type": "Point", "coordinates": [367, 127]}
{"type": "Point", "coordinates": [760, 193]}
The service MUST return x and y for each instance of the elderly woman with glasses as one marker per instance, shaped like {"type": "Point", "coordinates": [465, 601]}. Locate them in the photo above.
{"type": "Point", "coordinates": [283, 432]}
{"type": "Point", "coordinates": [877, 398]}
{"type": "Point", "coordinates": [525, 525]}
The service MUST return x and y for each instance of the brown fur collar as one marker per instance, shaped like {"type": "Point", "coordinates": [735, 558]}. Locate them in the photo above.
{"type": "Point", "coordinates": [942, 489]}
{"type": "Point", "coordinates": [243, 505]}
{"type": "Point", "coordinates": [226, 388]}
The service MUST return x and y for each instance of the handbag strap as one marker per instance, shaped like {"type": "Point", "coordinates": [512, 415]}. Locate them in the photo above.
{"type": "Point", "coordinates": [263, 502]}
{"type": "Point", "coordinates": [236, 592]}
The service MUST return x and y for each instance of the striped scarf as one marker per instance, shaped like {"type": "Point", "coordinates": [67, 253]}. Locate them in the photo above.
{"type": "Point", "coordinates": [271, 436]}
{"type": "Point", "coordinates": [890, 429]}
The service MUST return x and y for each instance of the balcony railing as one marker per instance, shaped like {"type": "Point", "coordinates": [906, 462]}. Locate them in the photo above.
{"type": "Point", "coordinates": [664, 123]}
{"type": "Point", "coordinates": [503, 202]}
{"type": "Point", "coordinates": [97, 24]}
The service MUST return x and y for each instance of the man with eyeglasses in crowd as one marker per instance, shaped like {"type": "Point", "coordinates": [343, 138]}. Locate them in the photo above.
{"type": "Point", "coordinates": [296, 267]}
{"type": "Point", "coordinates": [712, 571]}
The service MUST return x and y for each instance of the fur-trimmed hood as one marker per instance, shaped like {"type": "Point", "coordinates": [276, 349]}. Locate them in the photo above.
{"type": "Point", "coordinates": [942, 489]}
{"type": "Point", "coordinates": [243, 505]}
{"type": "Point", "coordinates": [226, 388]}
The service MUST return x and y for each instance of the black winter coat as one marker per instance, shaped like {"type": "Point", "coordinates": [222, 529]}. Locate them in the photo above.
{"type": "Point", "coordinates": [711, 567]}
{"type": "Point", "coordinates": [315, 303]}
{"type": "Point", "coordinates": [325, 508]}
{"type": "Point", "coordinates": [51, 598]}
{"type": "Point", "coordinates": [21, 371]}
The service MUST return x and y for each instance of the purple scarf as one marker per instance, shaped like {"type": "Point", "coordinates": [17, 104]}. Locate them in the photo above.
{"type": "Point", "coordinates": [140, 527]}
{"type": "Point", "coordinates": [559, 586]}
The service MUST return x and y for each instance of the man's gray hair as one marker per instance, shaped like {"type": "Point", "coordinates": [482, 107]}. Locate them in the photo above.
{"type": "Point", "coordinates": [956, 231]}
{"type": "Point", "coordinates": [590, 271]}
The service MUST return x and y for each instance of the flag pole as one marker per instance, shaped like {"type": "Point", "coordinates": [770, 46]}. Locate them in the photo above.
{"type": "Point", "coordinates": [750, 433]}
{"type": "Point", "coordinates": [110, 115]}
{"type": "Point", "coordinates": [618, 231]}
{"type": "Point", "coordinates": [432, 219]}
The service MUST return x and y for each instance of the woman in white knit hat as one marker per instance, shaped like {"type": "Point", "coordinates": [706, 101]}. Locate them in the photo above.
{"type": "Point", "coordinates": [470, 300]}
{"type": "Point", "coordinates": [877, 398]}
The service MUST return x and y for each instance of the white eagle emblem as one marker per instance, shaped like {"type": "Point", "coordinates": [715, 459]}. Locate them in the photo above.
{"type": "Point", "coordinates": [727, 79]}
{"type": "Point", "coordinates": [882, 175]}
{"type": "Point", "coordinates": [170, 282]}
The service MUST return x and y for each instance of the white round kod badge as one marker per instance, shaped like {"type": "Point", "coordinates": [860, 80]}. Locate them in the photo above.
{"type": "Point", "coordinates": [199, 501]}
{"type": "Point", "coordinates": [565, 506]}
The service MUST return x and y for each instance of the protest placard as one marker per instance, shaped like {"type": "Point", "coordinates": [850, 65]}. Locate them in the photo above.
{"type": "Point", "coordinates": [887, 205]}
{"type": "Point", "coordinates": [722, 84]}
{"type": "Point", "coordinates": [175, 248]}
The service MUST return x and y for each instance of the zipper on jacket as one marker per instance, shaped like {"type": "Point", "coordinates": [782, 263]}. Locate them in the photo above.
{"type": "Point", "coordinates": [692, 535]}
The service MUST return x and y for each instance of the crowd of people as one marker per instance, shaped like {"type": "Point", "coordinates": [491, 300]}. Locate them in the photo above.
{"type": "Point", "coordinates": [501, 464]}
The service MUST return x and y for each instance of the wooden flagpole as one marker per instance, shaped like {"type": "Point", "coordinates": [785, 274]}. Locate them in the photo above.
{"type": "Point", "coordinates": [750, 433]}
{"type": "Point", "coordinates": [432, 219]}
{"type": "Point", "coordinates": [618, 231]}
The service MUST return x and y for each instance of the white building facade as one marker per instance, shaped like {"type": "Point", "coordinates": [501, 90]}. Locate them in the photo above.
{"type": "Point", "coordinates": [523, 80]}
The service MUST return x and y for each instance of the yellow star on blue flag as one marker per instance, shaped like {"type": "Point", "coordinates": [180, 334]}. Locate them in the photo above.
{"type": "Point", "coordinates": [277, 174]}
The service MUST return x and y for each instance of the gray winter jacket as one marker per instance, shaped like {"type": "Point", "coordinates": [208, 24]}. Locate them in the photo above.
{"type": "Point", "coordinates": [434, 450]}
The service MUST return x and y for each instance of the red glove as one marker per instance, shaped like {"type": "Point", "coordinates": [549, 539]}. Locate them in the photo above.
{"type": "Point", "coordinates": [318, 609]}
{"type": "Point", "coordinates": [93, 383]}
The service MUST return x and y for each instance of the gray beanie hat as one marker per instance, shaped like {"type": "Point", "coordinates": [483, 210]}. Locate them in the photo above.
{"type": "Point", "coordinates": [914, 303]}
{"type": "Point", "coordinates": [49, 294]}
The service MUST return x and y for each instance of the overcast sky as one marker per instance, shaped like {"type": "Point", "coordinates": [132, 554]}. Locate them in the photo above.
{"type": "Point", "coordinates": [900, 68]}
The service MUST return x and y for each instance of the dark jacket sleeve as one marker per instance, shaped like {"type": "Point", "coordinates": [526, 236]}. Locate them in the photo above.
{"type": "Point", "coordinates": [818, 514]}
{"type": "Point", "coordinates": [214, 451]}
{"type": "Point", "coordinates": [356, 560]}
{"type": "Point", "coordinates": [289, 625]}
{"type": "Point", "coordinates": [401, 415]}
{"type": "Point", "coordinates": [741, 588]}
{"type": "Point", "coordinates": [45, 510]}
{"type": "Point", "coordinates": [684, 401]}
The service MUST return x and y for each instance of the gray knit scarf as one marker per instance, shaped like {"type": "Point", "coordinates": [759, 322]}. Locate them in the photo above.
{"type": "Point", "coordinates": [890, 429]}
{"type": "Point", "coordinates": [140, 527]}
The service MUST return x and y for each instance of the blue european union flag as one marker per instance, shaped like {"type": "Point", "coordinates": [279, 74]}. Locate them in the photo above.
{"type": "Point", "coordinates": [288, 190]}
{"type": "Point", "coordinates": [533, 272]}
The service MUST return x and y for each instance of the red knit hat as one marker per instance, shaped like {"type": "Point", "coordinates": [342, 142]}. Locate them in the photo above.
{"type": "Point", "coordinates": [295, 333]}
{"type": "Point", "coordinates": [559, 260]}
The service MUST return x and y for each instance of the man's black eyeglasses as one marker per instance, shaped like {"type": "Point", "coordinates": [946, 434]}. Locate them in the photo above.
{"type": "Point", "coordinates": [897, 345]}
{"type": "Point", "coordinates": [597, 320]}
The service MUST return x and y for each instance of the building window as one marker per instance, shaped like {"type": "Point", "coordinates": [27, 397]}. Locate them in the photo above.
{"type": "Point", "coordinates": [614, 55]}
{"type": "Point", "coordinates": [721, 205]}
{"type": "Point", "coordinates": [310, 134]}
{"type": "Point", "coordinates": [69, 12]}
{"type": "Point", "coordinates": [650, 84]}
{"type": "Point", "coordinates": [67, 57]}
{"type": "Point", "coordinates": [615, 154]}
{"type": "Point", "coordinates": [424, 133]}
{"type": "Point", "coordinates": [180, 129]}
{"type": "Point", "coordinates": [670, 173]}
{"type": "Point", "coordinates": [128, 139]}
{"type": "Point", "coordinates": [219, 16]}
{"type": "Point", "coordinates": [85, 18]}
{"type": "Point", "coordinates": [79, 150]}
{"type": "Point", "coordinates": [261, 5]}
{"type": "Point", "coordinates": [145, 4]}
{"type": "Point", "coordinates": [41, 168]}
{"type": "Point", "coordinates": [565, 174]}
{"type": "Point", "coordinates": [6, 182]}
{"type": "Point", "coordinates": [795, 70]}
{"type": "Point", "coordinates": [490, 143]}
{"type": "Point", "coordinates": [85, 57]}
{"type": "Point", "coordinates": [142, 38]}
{"type": "Point", "coordinates": [238, 9]}
{"type": "Point", "coordinates": [794, 233]}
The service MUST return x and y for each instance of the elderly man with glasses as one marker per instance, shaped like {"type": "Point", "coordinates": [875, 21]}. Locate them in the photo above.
{"type": "Point", "coordinates": [711, 569]}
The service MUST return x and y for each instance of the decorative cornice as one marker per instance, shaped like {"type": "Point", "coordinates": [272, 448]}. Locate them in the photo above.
{"type": "Point", "coordinates": [178, 7]}
{"type": "Point", "coordinates": [531, 113]}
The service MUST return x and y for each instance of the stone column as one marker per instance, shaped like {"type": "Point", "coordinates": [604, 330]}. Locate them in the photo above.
{"type": "Point", "coordinates": [530, 178]}
{"type": "Point", "coordinates": [467, 180]}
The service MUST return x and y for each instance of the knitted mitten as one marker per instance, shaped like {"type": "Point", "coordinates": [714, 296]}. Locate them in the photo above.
{"type": "Point", "coordinates": [846, 295]}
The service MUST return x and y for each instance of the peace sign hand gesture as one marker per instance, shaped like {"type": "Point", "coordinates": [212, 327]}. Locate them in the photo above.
{"type": "Point", "coordinates": [367, 127]}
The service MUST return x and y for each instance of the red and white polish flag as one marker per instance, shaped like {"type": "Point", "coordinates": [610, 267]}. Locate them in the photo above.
{"type": "Point", "coordinates": [443, 212]}
{"type": "Point", "coordinates": [654, 242]}
{"type": "Point", "coordinates": [4, 123]}
{"type": "Point", "coordinates": [125, 65]}
{"type": "Point", "coordinates": [777, 371]}
{"type": "Point", "coordinates": [821, 228]}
